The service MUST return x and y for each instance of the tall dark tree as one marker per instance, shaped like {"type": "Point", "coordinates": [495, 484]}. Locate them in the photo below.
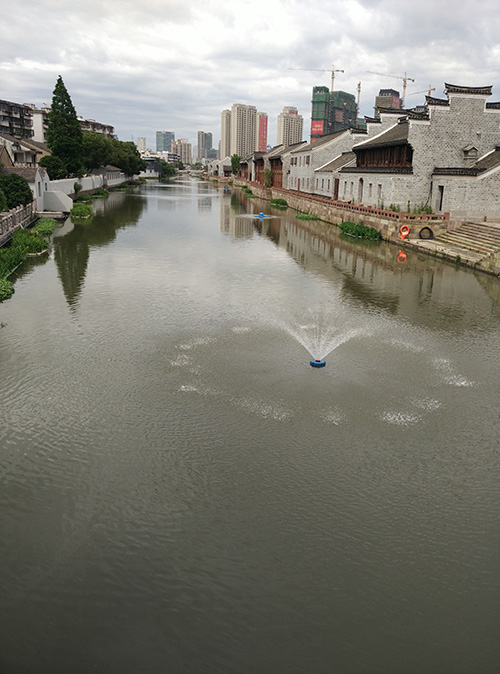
{"type": "Point", "coordinates": [64, 135]}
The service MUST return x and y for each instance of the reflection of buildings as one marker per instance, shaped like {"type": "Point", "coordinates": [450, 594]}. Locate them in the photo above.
{"type": "Point", "coordinates": [237, 225]}
{"type": "Point", "coordinates": [371, 275]}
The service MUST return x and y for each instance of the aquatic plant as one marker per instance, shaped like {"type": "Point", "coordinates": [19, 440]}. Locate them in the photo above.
{"type": "Point", "coordinates": [360, 231]}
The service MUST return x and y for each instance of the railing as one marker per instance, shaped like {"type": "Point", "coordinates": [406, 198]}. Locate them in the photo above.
{"type": "Point", "coordinates": [370, 210]}
{"type": "Point", "coordinates": [15, 219]}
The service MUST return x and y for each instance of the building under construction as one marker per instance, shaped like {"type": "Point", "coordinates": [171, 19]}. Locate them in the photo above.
{"type": "Point", "coordinates": [331, 112]}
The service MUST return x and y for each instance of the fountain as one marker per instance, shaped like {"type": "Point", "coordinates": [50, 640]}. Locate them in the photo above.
{"type": "Point", "coordinates": [322, 333]}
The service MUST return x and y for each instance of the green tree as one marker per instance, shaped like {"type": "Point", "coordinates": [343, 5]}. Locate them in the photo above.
{"type": "Point", "coordinates": [126, 157]}
{"type": "Point", "coordinates": [235, 163]}
{"type": "Point", "coordinates": [168, 170]}
{"type": "Point", "coordinates": [16, 190]}
{"type": "Point", "coordinates": [64, 135]}
{"type": "Point", "coordinates": [97, 150]}
{"type": "Point", "coordinates": [54, 165]}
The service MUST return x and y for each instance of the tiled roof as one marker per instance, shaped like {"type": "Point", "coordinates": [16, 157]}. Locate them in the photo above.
{"type": "Point", "coordinates": [337, 163]}
{"type": "Point", "coordinates": [396, 135]}
{"type": "Point", "coordinates": [321, 141]}
{"type": "Point", "coordinates": [430, 100]}
{"type": "Point", "coordinates": [489, 161]}
{"type": "Point", "coordinates": [457, 89]}
{"type": "Point", "coordinates": [28, 172]}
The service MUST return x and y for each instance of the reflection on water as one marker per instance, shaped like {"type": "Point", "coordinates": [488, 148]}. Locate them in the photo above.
{"type": "Point", "coordinates": [71, 252]}
{"type": "Point", "coordinates": [181, 491]}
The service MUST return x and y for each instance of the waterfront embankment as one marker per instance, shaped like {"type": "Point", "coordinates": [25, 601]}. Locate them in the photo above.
{"type": "Point", "coordinates": [477, 247]}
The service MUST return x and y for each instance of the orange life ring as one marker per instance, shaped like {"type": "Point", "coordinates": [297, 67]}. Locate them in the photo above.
{"type": "Point", "coordinates": [404, 230]}
{"type": "Point", "coordinates": [401, 257]}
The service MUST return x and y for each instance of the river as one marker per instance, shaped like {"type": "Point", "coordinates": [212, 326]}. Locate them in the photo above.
{"type": "Point", "coordinates": [181, 492]}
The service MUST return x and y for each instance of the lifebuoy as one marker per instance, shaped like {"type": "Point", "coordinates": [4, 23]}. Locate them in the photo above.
{"type": "Point", "coordinates": [404, 230]}
{"type": "Point", "coordinates": [401, 257]}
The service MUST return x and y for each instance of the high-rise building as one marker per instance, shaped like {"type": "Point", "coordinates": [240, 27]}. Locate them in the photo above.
{"type": "Point", "coordinates": [243, 129]}
{"type": "Point", "coordinates": [261, 136]}
{"type": "Point", "coordinates": [290, 125]}
{"type": "Point", "coordinates": [164, 141]}
{"type": "Point", "coordinates": [141, 144]}
{"type": "Point", "coordinates": [204, 144]}
{"type": "Point", "coordinates": [387, 98]}
{"type": "Point", "coordinates": [225, 134]}
{"type": "Point", "coordinates": [183, 148]}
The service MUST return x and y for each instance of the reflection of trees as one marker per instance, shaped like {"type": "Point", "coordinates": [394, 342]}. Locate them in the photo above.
{"type": "Point", "coordinates": [71, 252]}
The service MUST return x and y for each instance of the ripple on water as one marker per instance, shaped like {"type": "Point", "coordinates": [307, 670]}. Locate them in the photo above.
{"type": "Point", "coordinates": [397, 418]}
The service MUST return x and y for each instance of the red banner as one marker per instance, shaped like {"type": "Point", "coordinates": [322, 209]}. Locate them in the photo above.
{"type": "Point", "coordinates": [317, 126]}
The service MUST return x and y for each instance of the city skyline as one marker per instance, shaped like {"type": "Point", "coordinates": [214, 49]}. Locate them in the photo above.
{"type": "Point", "coordinates": [125, 72]}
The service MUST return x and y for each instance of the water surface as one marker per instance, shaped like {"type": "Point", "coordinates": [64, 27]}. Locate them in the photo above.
{"type": "Point", "coordinates": [181, 492]}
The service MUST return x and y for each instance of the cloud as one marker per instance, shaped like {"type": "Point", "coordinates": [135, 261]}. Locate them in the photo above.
{"type": "Point", "coordinates": [170, 65]}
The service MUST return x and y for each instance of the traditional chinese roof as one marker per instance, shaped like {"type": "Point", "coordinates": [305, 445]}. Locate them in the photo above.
{"type": "Point", "coordinates": [320, 141]}
{"type": "Point", "coordinates": [337, 163]}
{"type": "Point", "coordinates": [28, 172]}
{"type": "Point", "coordinates": [396, 135]}
{"type": "Point", "coordinates": [489, 161]}
{"type": "Point", "coordinates": [430, 100]}
{"type": "Point", "coordinates": [474, 91]}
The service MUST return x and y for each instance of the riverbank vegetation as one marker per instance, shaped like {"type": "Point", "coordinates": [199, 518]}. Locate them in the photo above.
{"type": "Point", "coordinates": [81, 210]}
{"type": "Point", "coordinates": [279, 203]}
{"type": "Point", "coordinates": [25, 242]}
{"type": "Point", "coordinates": [306, 216]}
{"type": "Point", "coordinates": [360, 231]}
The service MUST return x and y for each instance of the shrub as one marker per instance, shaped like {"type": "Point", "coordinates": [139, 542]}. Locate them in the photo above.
{"type": "Point", "coordinates": [102, 193]}
{"type": "Point", "coordinates": [360, 231]}
{"type": "Point", "coordinates": [81, 210]}
{"type": "Point", "coordinates": [16, 189]}
{"type": "Point", "coordinates": [45, 226]}
{"type": "Point", "coordinates": [6, 289]}
{"type": "Point", "coordinates": [279, 202]}
{"type": "Point", "coordinates": [306, 216]}
{"type": "Point", "coordinates": [3, 201]}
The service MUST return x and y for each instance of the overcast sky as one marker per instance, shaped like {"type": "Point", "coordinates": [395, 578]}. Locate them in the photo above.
{"type": "Point", "coordinates": [174, 65]}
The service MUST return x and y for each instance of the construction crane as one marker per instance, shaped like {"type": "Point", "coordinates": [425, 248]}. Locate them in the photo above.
{"type": "Point", "coordinates": [333, 70]}
{"type": "Point", "coordinates": [424, 91]}
{"type": "Point", "coordinates": [405, 79]}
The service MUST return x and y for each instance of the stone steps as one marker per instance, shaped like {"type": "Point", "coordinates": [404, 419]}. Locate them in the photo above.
{"type": "Point", "coordinates": [463, 241]}
{"type": "Point", "coordinates": [482, 238]}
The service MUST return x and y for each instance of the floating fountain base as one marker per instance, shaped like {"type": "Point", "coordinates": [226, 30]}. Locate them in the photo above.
{"type": "Point", "coordinates": [318, 363]}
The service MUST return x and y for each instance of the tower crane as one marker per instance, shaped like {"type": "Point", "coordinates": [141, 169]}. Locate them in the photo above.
{"type": "Point", "coordinates": [332, 70]}
{"type": "Point", "coordinates": [405, 79]}
{"type": "Point", "coordinates": [424, 91]}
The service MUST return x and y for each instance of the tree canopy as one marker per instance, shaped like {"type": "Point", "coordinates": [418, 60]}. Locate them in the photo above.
{"type": "Point", "coordinates": [64, 134]}
{"type": "Point", "coordinates": [16, 190]}
{"type": "Point", "coordinates": [98, 150]}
